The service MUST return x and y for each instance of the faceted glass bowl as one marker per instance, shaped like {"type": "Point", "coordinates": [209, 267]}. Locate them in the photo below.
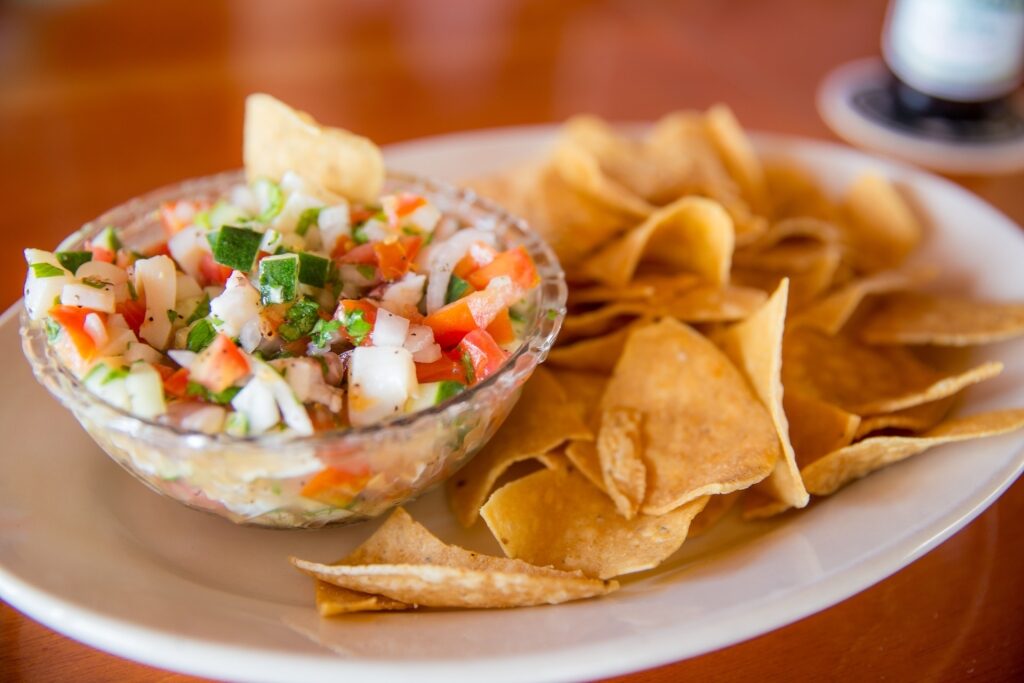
{"type": "Point", "coordinates": [257, 480]}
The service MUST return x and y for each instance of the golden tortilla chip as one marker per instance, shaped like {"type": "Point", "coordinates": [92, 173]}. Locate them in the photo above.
{"type": "Point", "coordinates": [405, 562]}
{"type": "Point", "coordinates": [332, 601]}
{"type": "Point", "coordinates": [921, 318]}
{"type": "Point", "coordinates": [713, 513]}
{"type": "Point", "coordinates": [641, 288]}
{"type": "Point", "coordinates": [880, 228]}
{"type": "Point", "coordinates": [619, 444]}
{"type": "Point", "coordinates": [583, 455]}
{"type": "Point", "coordinates": [581, 169]}
{"type": "Point", "coordinates": [867, 380]}
{"type": "Point", "coordinates": [556, 517]}
{"type": "Point", "coordinates": [738, 153]}
{"type": "Point", "coordinates": [541, 420]}
{"type": "Point", "coordinates": [831, 313]}
{"type": "Point", "coordinates": [793, 193]}
{"type": "Point", "coordinates": [585, 389]}
{"type": "Point", "coordinates": [811, 268]}
{"type": "Point", "coordinates": [693, 234]}
{"type": "Point", "coordinates": [828, 474]}
{"type": "Point", "coordinates": [817, 427]}
{"type": "Point", "coordinates": [704, 432]}
{"type": "Point", "coordinates": [916, 419]}
{"type": "Point", "coordinates": [600, 321]}
{"type": "Point", "coordinates": [279, 138]}
{"type": "Point", "coordinates": [755, 346]}
{"type": "Point", "coordinates": [796, 228]}
{"type": "Point", "coordinates": [598, 354]}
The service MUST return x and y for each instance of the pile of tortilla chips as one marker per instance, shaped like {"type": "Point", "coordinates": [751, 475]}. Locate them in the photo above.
{"type": "Point", "coordinates": [733, 335]}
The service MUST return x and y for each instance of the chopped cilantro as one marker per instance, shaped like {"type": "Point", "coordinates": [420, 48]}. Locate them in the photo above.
{"type": "Point", "coordinates": [73, 259]}
{"type": "Point", "coordinates": [516, 315]}
{"type": "Point", "coordinates": [359, 235]}
{"type": "Point", "coordinates": [52, 330]}
{"type": "Point", "coordinates": [410, 230]}
{"type": "Point", "coordinates": [201, 311]}
{"type": "Point", "coordinates": [95, 282]}
{"type": "Point", "coordinates": [222, 397]}
{"type": "Point", "coordinates": [131, 290]}
{"type": "Point", "coordinates": [323, 332]}
{"type": "Point", "coordinates": [457, 288]}
{"type": "Point", "coordinates": [114, 375]}
{"type": "Point", "coordinates": [356, 324]}
{"type": "Point", "coordinates": [300, 320]}
{"type": "Point", "coordinates": [200, 336]}
{"type": "Point", "coordinates": [306, 219]}
{"type": "Point", "coordinates": [366, 270]}
{"type": "Point", "coordinates": [172, 315]}
{"type": "Point", "coordinates": [467, 365]}
{"type": "Point", "coordinates": [46, 270]}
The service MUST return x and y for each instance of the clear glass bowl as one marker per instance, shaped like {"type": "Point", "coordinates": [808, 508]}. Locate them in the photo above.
{"type": "Point", "coordinates": [257, 480]}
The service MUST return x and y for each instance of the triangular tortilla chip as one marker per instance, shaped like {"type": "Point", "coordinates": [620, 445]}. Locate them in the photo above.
{"type": "Point", "coordinates": [556, 517]}
{"type": "Point", "coordinates": [880, 229]}
{"type": "Point", "coordinates": [922, 318]}
{"type": "Point", "coordinates": [705, 432]}
{"type": "Point", "coordinates": [332, 601]}
{"type": "Point", "coordinates": [279, 138]}
{"type": "Point", "coordinates": [755, 346]}
{"type": "Point", "coordinates": [832, 312]}
{"type": "Point", "coordinates": [817, 427]}
{"type": "Point", "coordinates": [738, 153]}
{"type": "Point", "coordinates": [541, 420]}
{"type": "Point", "coordinates": [916, 419]}
{"type": "Point", "coordinates": [828, 474]}
{"type": "Point", "coordinates": [619, 445]}
{"type": "Point", "coordinates": [598, 354]}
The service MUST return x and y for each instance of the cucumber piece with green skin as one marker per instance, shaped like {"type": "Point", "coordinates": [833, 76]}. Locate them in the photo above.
{"type": "Point", "coordinates": [279, 279]}
{"type": "Point", "coordinates": [313, 269]}
{"type": "Point", "coordinates": [73, 259]}
{"type": "Point", "coordinates": [236, 248]}
{"type": "Point", "coordinates": [107, 239]}
{"type": "Point", "coordinates": [432, 394]}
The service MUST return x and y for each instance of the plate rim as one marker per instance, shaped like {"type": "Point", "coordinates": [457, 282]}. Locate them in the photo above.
{"type": "Point", "coordinates": [196, 656]}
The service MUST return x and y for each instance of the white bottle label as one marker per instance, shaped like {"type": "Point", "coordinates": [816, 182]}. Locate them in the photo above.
{"type": "Point", "coordinates": [964, 50]}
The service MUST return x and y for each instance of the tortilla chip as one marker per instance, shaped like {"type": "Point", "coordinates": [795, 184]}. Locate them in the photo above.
{"type": "Point", "coordinates": [832, 313]}
{"type": "Point", "coordinates": [704, 432]}
{"type": "Point", "coordinates": [585, 389]}
{"type": "Point", "coordinates": [597, 354]}
{"type": "Point", "coordinates": [600, 321]}
{"type": "Point", "coordinates": [641, 288]}
{"type": "Point", "coordinates": [693, 234]}
{"type": "Point", "coordinates": [867, 380]}
{"type": "Point", "coordinates": [405, 562]}
{"type": "Point", "coordinates": [713, 513]}
{"type": "Point", "coordinates": [921, 318]}
{"type": "Point", "coordinates": [581, 169]}
{"type": "Point", "coordinates": [810, 268]}
{"type": "Point", "coordinates": [817, 427]}
{"type": "Point", "coordinates": [880, 228]}
{"type": "Point", "coordinates": [916, 419]}
{"type": "Point", "coordinates": [796, 228]}
{"type": "Point", "coordinates": [792, 193]}
{"type": "Point", "coordinates": [583, 455]}
{"type": "Point", "coordinates": [541, 420]}
{"type": "Point", "coordinates": [619, 444]}
{"type": "Point", "coordinates": [755, 346]}
{"type": "Point", "coordinates": [279, 138]}
{"type": "Point", "coordinates": [332, 601]}
{"type": "Point", "coordinates": [736, 150]}
{"type": "Point", "coordinates": [556, 517]}
{"type": "Point", "coordinates": [828, 474]}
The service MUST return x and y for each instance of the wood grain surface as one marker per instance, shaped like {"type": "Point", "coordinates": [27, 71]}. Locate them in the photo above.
{"type": "Point", "coordinates": [100, 101]}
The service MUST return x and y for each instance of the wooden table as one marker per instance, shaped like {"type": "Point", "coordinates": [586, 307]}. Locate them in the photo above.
{"type": "Point", "coordinates": [100, 101]}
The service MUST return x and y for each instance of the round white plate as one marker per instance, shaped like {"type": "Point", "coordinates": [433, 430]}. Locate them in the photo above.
{"type": "Point", "coordinates": [95, 555]}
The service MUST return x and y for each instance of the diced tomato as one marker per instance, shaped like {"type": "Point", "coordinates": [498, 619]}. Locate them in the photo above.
{"type": "Point", "coordinates": [211, 272]}
{"type": "Point", "coordinates": [176, 216]}
{"type": "Point", "coordinates": [482, 354]}
{"type": "Point", "coordinates": [501, 328]}
{"type": "Point", "coordinates": [408, 202]}
{"type": "Point", "coordinates": [358, 214]}
{"type": "Point", "coordinates": [338, 485]}
{"type": "Point", "coordinates": [475, 311]}
{"type": "Point", "coordinates": [159, 250]}
{"type": "Point", "coordinates": [101, 254]}
{"type": "Point", "coordinates": [444, 368]}
{"type": "Point", "coordinates": [342, 247]}
{"type": "Point", "coordinates": [134, 313]}
{"type": "Point", "coordinates": [176, 383]}
{"type": "Point", "coordinates": [322, 418]}
{"type": "Point", "coordinates": [395, 257]}
{"type": "Point", "coordinates": [360, 254]}
{"type": "Point", "coordinates": [478, 256]}
{"type": "Point", "coordinates": [72, 321]}
{"type": "Point", "coordinates": [515, 264]}
{"type": "Point", "coordinates": [220, 365]}
{"type": "Point", "coordinates": [164, 372]}
{"type": "Point", "coordinates": [346, 307]}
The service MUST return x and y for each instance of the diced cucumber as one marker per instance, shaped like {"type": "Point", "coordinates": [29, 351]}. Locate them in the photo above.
{"type": "Point", "coordinates": [108, 382]}
{"type": "Point", "coordinates": [313, 269]}
{"type": "Point", "coordinates": [270, 197]}
{"type": "Point", "coordinates": [307, 219]}
{"type": "Point", "coordinates": [272, 240]}
{"type": "Point", "coordinates": [279, 279]}
{"type": "Point", "coordinates": [73, 259]}
{"type": "Point", "coordinates": [146, 389]}
{"type": "Point", "coordinates": [236, 424]}
{"type": "Point", "coordinates": [432, 394]}
{"type": "Point", "coordinates": [107, 239]}
{"type": "Point", "coordinates": [236, 248]}
{"type": "Point", "coordinates": [224, 213]}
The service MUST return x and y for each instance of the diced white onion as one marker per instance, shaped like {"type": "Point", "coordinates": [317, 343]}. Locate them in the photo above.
{"type": "Point", "coordinates": [188, 247]}
{"type": "Point", "coordinates": [288, 219]}
{"type": "Point", "coordinates": [156, 280]}
{"type": "Point", "coordinates": [403, 297]}
{"type": "Point", "coordinates": [249, 336]}
{"type": "Point", "coordinates": [420, 343]}
{"type": "Point", "coordinates": [442, 260]}
{"type": "Point", "coordinates": [42, 292]}
{"type": "Point", "coordinates": [206, 419]}
{"type": "Point", "coordinates": [334, 222]}
{"type": "Point", "coordinates": [239, 304]}
{"type": "Point", "coordinates": [76, 294]}
{"type": "Point", "coordinates": [96, 329]}
{"type": "Point", "coordinates": [380, 381]}
{"type": "Point", "coordinates": [119, 342]}
{"type": "Point", "coordinates": [256, 402]}
{"type": "Point", "coordinates": [141, 351]}
{"type": "Point", "coordinates": [389, 329]}
{"type": "Point", "coordinates": [186, 287]}
{"type": "Point", "coordinates": [182, 357]}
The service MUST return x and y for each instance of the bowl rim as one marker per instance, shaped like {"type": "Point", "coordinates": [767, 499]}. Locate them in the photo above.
{"type": "Point", "coordinates": [540, 340]}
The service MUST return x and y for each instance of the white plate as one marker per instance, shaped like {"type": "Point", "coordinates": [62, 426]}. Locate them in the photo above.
{"type": "Point", "coordinates": [93, 554]}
